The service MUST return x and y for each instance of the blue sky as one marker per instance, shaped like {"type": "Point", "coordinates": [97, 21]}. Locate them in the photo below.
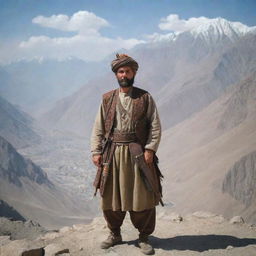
{"type": "Point", "coordinates": [114, 23]}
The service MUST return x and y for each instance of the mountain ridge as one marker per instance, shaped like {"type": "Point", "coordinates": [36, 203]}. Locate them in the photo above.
{"type": "Point", "coordinates": [17, 126]}
{"type": "Point", "coordinates": [26, 187]}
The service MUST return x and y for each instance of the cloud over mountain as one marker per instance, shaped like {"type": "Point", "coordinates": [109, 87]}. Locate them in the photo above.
{"type": "Point", "coordinates": [87, 44]}
{"type": "Point", "coordinates": [201, 26]}
{"type": "Point", "coordinates": [173, 23]}
{"type": "Point", "coordinates": [83, 37]}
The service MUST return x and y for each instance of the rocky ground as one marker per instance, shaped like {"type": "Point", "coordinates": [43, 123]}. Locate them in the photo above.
{"type": "Point", "coordinates": [200, 233]}
{"type": "Point", "coordinates": [15, 230]}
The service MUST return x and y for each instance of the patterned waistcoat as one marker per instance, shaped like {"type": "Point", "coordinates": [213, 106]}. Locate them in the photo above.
{"type": "Point", "coordinates": [139, 110]}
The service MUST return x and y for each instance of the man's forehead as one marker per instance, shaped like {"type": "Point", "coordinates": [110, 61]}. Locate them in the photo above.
{"type": "Point", "coordinates": [124, 68]}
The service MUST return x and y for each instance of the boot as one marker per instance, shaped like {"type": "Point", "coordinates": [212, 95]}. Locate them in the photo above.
{"type": "Point", "coordinates": [112, 240]}
{"type": "Point", "coordinates": [144, 245]}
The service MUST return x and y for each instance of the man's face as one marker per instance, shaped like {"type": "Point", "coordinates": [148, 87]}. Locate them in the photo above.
{"type": "Point", "coordinates": [125, 76]}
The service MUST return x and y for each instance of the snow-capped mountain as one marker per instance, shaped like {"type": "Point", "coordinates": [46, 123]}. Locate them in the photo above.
{"type": "Point", "coordinates": [211, 31]}
{"type": "Point", "coordinates": [184, 75]}
{"type": "Point", "coordinates": [217, 29]}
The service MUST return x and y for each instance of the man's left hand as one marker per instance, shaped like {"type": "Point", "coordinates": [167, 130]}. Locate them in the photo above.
{"type": "Point", "coordinates": [149, 155]}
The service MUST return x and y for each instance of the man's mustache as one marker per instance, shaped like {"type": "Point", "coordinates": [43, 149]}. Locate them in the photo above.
{"type": "Point", "coordinates": [126, 82]}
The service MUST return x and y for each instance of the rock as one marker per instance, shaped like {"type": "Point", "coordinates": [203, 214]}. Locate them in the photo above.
{"type": "Point", "coordinates": [31, 223]}
{"type": "Point", "coordinates": [65, 229]}
{"type": "Point", "coordinates": [253, 226]}
{"type": "Point", "coordinates": [55, 249]}
{"type": "Point", "coordinates": [229, 247]}
{"type": "Point", "coordinates": [33, 252]}
{"type": "Point", "coordinates": [175, 217]}
{"type": "Point", "coordinates": [4, 240]}
{"type": "Point", "coordinates": [169, 216]}
{"type": "Point", "coordinates": [237, 220]}
{"type": "Point", "coordinates": [63, 252]}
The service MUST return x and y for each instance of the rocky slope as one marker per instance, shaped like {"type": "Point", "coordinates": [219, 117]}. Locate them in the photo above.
{"type": "Point", "coordinates": [197, 234]}
{"type": "Point", "coordinates": [16, 126]}
{"type": "Point", "coordinates": [9, 212]}
{"type": "Point", "coordinates": [20, 229]}
{"type": "Point", "coordinates": [196, 154]}
{"type": "Point", "coordinates": [13, 167]}
{"type": "Point", "coordinates": [26, 187]}
{"type": "Point", "coordinates": [240, 182]}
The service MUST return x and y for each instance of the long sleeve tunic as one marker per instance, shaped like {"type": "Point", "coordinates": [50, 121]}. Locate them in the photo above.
{"type": "Point", "coordinates": [125, 189]}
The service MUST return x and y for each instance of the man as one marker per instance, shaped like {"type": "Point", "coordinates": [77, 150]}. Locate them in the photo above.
{"type": "Point", "coordinates": [125, 137]}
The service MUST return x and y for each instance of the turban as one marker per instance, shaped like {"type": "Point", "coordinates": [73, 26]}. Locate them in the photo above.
{"type": "Point", "coordinates": [124, 60]}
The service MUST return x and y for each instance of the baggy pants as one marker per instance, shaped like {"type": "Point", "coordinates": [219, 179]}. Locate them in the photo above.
{"type": "Point", "coordinates": [144, 221]}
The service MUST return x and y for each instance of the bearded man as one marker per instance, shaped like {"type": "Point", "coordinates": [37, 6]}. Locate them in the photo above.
{"type": "Point", "coordinates": [125, 137]}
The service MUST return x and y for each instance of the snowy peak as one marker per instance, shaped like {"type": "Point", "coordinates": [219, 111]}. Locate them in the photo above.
{"type": "Point", "coordinates": [216, 29]}
{"type": "Point", "coordinates": [208, 30]}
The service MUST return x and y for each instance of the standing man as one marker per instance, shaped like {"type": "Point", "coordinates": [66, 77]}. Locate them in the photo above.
{"type": "Point", "coordinates": [125, 137]}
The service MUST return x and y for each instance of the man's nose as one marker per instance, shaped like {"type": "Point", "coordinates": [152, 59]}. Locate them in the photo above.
{"type": "Point", "coordinates": [124, 75]}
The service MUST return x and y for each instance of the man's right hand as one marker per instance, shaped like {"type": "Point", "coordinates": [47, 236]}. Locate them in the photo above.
{"type": "Point", "coordinates": [97, 160]}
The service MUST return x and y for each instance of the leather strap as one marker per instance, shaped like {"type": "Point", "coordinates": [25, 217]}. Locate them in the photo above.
{"type": "Point", "coordinates": [149, 173]}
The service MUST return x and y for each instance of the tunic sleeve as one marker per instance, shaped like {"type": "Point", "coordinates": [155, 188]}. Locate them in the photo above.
{"type": "Point", "coordinates": [98, 132]}
{"type": "Point", "coordinates": [155, 126]}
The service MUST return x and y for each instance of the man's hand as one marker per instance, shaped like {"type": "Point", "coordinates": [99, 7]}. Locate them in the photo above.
{"type": "Point", "coordinates": [97, 160]}
{"type": "Point", "coordinates": [149, 155]}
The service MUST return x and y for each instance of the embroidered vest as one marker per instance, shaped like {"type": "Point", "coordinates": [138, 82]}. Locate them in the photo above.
{"type": "Point", "coordinates": [140, 106]}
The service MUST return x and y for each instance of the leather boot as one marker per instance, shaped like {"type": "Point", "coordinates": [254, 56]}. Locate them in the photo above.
{"type": "Point", "coordinates": [112, 240]}
{"type": "Point", "coordinates": [144, 245]}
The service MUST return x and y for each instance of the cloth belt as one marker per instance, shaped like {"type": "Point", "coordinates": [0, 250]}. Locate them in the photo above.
{"type": "Point", "coordinates": [119, 137]}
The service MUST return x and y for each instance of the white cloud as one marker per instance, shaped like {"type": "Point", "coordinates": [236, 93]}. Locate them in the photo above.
{"type": "Point", "coordinates": [80, 46]}
{"type": "Point", "coordinates": [173, 23]}
{"type": "Point", "coordinates": [82, 22]}
{"type": "Point", "coordinates": [88, 43]}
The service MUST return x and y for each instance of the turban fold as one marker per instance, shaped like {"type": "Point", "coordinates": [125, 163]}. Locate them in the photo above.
{"type": "Point", "coordinates": [124, 60]}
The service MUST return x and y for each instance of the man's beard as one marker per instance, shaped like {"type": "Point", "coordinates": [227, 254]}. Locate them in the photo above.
{"type": "Point", "coordinates": [126, 82]}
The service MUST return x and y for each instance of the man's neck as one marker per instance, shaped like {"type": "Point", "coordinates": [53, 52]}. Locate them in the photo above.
{"type": "Point", "coordinates": [125, 89]}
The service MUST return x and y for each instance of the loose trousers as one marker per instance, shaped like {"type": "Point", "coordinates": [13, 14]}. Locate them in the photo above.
{"type": "Point", "coordinates": [144, 221]}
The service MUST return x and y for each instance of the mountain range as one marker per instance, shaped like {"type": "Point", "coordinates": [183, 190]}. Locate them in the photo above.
{"type": "Point", "coordinates": [35, 85]}
{"type": "Point", "coordinates": [203, 82]}
{"type": "Point", "coordinates": [184, 74]}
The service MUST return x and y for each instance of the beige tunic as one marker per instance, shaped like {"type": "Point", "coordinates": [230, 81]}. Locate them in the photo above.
{"type": "Point", "coordinates": [125, 190]}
